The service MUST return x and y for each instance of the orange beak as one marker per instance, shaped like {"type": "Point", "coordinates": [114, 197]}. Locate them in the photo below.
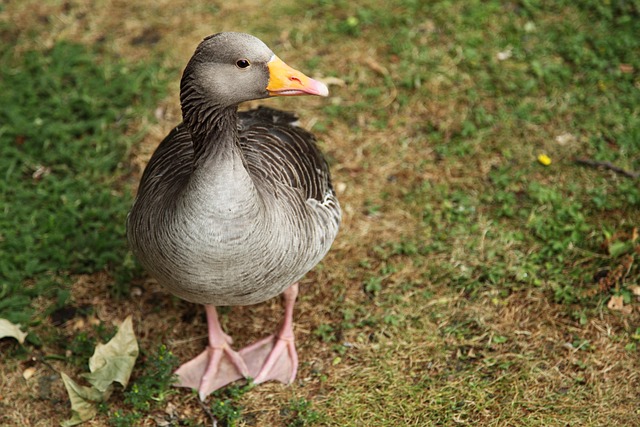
{"type": "Point", "coordinates": [285, 81]}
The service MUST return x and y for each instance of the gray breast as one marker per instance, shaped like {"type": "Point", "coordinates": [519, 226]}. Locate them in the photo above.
{"type": "Point", "coordinates": [242, 226]}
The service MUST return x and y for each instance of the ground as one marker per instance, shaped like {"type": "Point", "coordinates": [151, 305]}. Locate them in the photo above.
{"type": "Point", "coordinates": [472, 282]}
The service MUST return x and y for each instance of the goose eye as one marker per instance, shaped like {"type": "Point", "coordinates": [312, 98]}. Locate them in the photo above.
{"type": "Point", "coordinates": [242, 63]}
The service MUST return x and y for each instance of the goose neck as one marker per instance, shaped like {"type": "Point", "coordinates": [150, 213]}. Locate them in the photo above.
{"type": "Point", "coordinates": [213, 133]}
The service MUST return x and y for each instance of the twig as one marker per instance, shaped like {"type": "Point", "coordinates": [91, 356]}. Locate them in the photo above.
{"type": "Point", "coordinates": [214, 420]}
{"type": "Point", "coordinates": [607, 165]}
{"type": "Point", "coordinates": [40, 359]}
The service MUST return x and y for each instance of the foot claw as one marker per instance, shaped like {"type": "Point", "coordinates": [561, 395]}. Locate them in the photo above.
{"type": "Point", "coordinates": [271, 358]}
{"type": "Point", "coordinates": [212, 369]}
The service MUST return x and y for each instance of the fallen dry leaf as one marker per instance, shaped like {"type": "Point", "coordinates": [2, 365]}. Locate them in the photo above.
{"type": "Point", "coordinates": [79, 324]}
{"type": "Point", "coordinates": [40, 172]}
{"type": "Point", "coordinates": [616, 303]}
{"type": "Point", "coordinates": [83, 401]}
{"type": "Point", "coordinates": [171, 409]}
{"type": "Point", "coordinates": [626, 68]}
{"type": "Point", "coordinates": [28, 373]}
{"type": "Point", "coordinates": [8, 329]}
{"type": "Point", "coordinates": [111, 362]}
{"type": "Point", "coordinates": [505, 54]}
{"type": "Point", "coordinates": [565, 138]}
{"type": "Point", "coordinates": [161, 421]}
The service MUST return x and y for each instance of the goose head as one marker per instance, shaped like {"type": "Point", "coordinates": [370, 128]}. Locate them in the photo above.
{"type": "Point", "coordinates": [229, 68]}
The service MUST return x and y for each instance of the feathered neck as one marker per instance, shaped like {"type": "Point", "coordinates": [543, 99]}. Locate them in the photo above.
{"type": "Point", "coordinates": [213, 127]}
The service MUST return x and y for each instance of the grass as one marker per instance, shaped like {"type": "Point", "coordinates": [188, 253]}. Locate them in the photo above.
{"type": "Point", "coordinates": [470, 284]}
{"type": "Point", "coordinates": [148, 392]}
{"type": "Point", "coordinates": [64, 138]}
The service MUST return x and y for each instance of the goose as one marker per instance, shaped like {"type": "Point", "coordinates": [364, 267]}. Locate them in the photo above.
{"type": "Point", "coordinates": [234, 208]}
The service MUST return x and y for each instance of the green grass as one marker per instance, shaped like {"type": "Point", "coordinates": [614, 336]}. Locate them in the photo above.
{"type": "Point", "coordinates": [148, 392]}
{"type": "Point", "coordinates": [65, 137]}
{"type": "Point", "coordinates": [565, 75]}
{"type": "Point", "coordinates": [519, 227]}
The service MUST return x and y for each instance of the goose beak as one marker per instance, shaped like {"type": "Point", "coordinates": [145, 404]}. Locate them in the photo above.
{"type": "Point", "coordinates": [285, 81]}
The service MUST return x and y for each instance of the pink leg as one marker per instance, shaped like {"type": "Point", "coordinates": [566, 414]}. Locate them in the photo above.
{"type": "Point", "coordinates": [217, 366]}
{"type": "Point", "coordinates": [275, 357]}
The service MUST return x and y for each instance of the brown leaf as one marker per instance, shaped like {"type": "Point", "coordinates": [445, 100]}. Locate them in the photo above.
{"type": "Point", "coordinates": [8, 329]}
{"type": "Point", "coordinates": [626, 68]}
{"type": "Point", "coordinates": [83, 401]}
{"type": "Point", "coordinates": [28, 373]}
{"type": "Point", "coordinates": [616, 303]}
{"type": "Point", "coordinates": [111, 362]}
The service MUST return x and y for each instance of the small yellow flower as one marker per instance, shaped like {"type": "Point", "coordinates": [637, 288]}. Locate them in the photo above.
{"type": "Point", "coordinates": [544, 159]}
